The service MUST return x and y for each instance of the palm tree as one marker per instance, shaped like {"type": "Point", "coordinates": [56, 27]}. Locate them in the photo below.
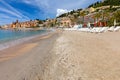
{"type": "Point", "coordinates": [83, 13]}
{"type": "Point", "coordinates": [117, 16]}
{"type": "Point", "coordinates": [73, 20]}
{"type": "Point", "coordinates": [105, 16]}
{"type": "Point", "coordinates": [97, 16]}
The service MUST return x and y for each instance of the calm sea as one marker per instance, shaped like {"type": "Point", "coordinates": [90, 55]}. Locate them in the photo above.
{"type": "Point", "coordinates": [12, 37]}
{"type": "Point", "coordinates": [7, 35]}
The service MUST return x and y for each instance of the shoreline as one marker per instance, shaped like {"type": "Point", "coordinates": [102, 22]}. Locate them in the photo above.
{"type": "Point", "coordinates": [27, 60]}
{"type": "Point", "coordinates": [27, 44]}
{"type": "Point", "coordinates": [22, 40]}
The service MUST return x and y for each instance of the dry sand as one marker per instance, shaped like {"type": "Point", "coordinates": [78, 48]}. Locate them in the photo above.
{"type": "Point", "coordinates": [72, 56]}
{"type": "Point", "coordinates": [86, 56]}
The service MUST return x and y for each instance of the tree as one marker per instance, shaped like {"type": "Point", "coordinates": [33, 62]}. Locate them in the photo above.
{"type": "Point", "coordinates": [105, 15]}
{"type": "Point", "coordinates": [110, 22]}
{"type": "Point", "coordinates": [97, 16]}
{"type": "Point", "coordinates": [117, 16]}
{"type": "Point", "coordinates": [105, 3]}
{"type": "Point", "coordinates": [73, 20]}
{"type": "Point", "coordinates": [79, 9]}
{"type": "Point", "coordinates": [39, 21]}
{"type": "Point", "coordinates": [83, 13]}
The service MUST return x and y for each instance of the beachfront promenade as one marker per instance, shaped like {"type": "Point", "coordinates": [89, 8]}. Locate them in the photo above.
{"type": "Point", "coordinates": [67, 55]}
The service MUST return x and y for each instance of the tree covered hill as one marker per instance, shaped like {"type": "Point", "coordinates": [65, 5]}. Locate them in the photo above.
{"type": "Point", "coordinates": [94, 5]}
{"type": "Point", "coordinates": [105, 3]}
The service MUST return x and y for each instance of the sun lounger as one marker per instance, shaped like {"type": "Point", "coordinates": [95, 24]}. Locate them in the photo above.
{"type": "Point", "coordinates": [95, 30]}
{"type": "Point", "coordinates": [111, 29]}
{"type": "Point", "coordinates": [84, 29]}
{"type": "Point", "coordinates": [103, 29]}
{"type": "Point", "coordinates": [117, 28]}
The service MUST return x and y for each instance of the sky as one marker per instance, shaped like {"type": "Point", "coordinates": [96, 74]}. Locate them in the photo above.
{"type": "Point", "coordinates": [23, 10]}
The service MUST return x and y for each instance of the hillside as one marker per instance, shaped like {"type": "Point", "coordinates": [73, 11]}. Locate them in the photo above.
{"type": "Point", "coordinates": [95, 5]}
{"type": "Point", "coordinates": [105, 3]}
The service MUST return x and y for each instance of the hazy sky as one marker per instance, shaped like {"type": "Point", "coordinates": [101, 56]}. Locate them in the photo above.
{"type": "Point", "coordinates": [10, 10]}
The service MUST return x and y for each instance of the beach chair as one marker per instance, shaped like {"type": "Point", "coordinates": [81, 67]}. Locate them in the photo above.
{"type": "Point", "coordinates": [103, 29]}
{"type": "Point", "coordinates": [83, 29]}
{"type": "Point", "coordinates": [95, 30]}
{"type": "Point", "coordinates": [88, 29]}
{"type": "Point", "coordinates": [117, 29]}
{"type": "Point", "coordinates": [92, 30]}
{"type": "Point", "coordinates": [111, 29]}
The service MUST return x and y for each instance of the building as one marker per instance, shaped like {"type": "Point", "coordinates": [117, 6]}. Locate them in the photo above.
{"type": "Point", "coordinates": [64, 22]}
{"type": "Point", "coordinates": [90, 10]}
{"type": "Point", "coordinates": [26, 24]}
{"type": "Point", "coordinates": [49, 23]}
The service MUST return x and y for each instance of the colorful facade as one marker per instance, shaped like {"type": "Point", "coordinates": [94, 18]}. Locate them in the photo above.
{"type": "Point", "coordinates": [27, 24]}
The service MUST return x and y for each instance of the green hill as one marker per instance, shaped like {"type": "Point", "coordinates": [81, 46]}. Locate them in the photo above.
{"type": "Point", "coordinates": [95, 5]}
{"type": "Point", "coordinates": [105, 3]}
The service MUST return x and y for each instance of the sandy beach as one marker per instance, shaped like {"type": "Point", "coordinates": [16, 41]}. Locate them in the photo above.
{"type": "Point", "coordinates": [67, 55]}
{"type": "Point", "coordinates": [86, 56]}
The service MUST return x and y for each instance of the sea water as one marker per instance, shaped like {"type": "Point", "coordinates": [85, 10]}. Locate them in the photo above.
{"type": "Point", "coordinates": [12, 37]}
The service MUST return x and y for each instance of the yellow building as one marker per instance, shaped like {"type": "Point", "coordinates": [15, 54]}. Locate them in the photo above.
{"type": "Point", "coordinates": [91, 9]}
{"type": "Point", "coordinates": [64, 22]}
